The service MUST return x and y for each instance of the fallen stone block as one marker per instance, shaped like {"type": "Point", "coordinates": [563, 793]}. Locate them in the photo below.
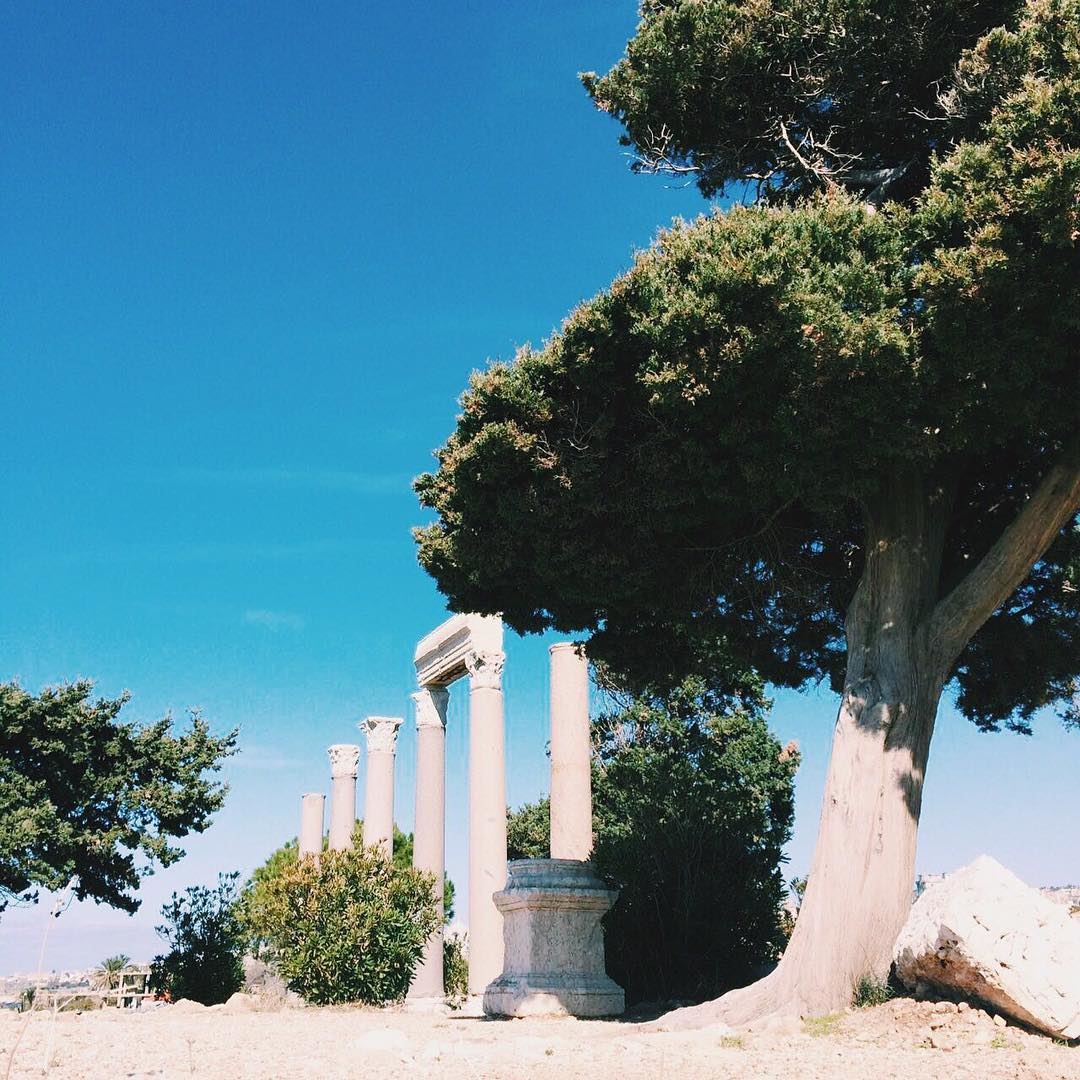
{"type": "Point", "coordinates": [983, 935]}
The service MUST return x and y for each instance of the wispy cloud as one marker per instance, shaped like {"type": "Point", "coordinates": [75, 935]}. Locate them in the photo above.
{"type": "Point", "coordinates": [274, 620]}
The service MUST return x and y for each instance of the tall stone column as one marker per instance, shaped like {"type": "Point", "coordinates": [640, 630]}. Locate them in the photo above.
{"type": "Point", "coordinates": [571, 749]}
{"type": "Point", "coordinates": [344, 759]}
{"type": "Point", "coordinates": [381, 732]}
{"type": "Point", "coordinates": [312, 813]}
{"type": "Point", "coordinates": [487, 816]}
{"type": "Point", "coordinates": [429, 835]}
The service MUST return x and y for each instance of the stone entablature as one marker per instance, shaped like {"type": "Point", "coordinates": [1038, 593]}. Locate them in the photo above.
{"type": "Point", "coordinates": [441, 657]}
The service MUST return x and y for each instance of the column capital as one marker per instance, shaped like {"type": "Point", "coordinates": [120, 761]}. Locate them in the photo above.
{"type": "Point", "coordinates": [381, 732]}
{"type": "Point", "coordinates": [344, 760]}
{"type": "Point", "coordinates": [485, 670]}
{"type": "Point", "coordinates": [431, 704]}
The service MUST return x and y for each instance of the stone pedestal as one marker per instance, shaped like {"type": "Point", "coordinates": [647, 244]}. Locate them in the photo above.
{"type": "Point", "coordinates": [312, 814]}
{"type": "Point", "coordinates": [554, 944]}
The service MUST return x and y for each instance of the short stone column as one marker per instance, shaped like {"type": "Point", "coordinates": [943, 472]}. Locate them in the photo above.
{"type": "Point", "coordinates": [312, 814]}
{"type": "Point", "coordinates": [571, 754]}
{"type": "Point", "coordinates": [381, 732]}
{"type": "Point", "coordinates": [344, 759]}
{"type": "Point", "coordinates": [554, 943]}
{"type": "Point", "coordinates": [429, 829]}
{"type": "Point", "coordinates": [487, 816]}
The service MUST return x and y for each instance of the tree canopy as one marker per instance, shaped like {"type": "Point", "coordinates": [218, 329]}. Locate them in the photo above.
{"type": "Point", "coordinates": [691, 456]}
{"type": "Point", "coordinates": [87, 796]}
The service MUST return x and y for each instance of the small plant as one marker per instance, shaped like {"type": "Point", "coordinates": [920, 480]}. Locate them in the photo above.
{"type": "Point", "coordinates": [999, 1042]}
{"type": "Point", "coordinates": [732, 1042]}
{"type": "Point", "coordinates": [455, 970]}
{"type": "Point", "coordinates": [26, 999]}
{"type": "Point", "coordinates": [870, 991]}
{"type": "Point", "coordinates": [820, 1026]}
{"type": "Point", "coordinates": [350, 926]}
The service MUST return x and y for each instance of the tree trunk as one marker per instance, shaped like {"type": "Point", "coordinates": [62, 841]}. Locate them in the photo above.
{"type": "Point", "coordinates": [860, 883]}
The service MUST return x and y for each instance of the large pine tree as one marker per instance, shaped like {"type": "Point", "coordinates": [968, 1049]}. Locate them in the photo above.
{"type": "Point", "coordinates": [834, 433]}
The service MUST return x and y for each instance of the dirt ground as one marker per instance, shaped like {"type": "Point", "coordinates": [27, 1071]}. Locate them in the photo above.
{"type": "Point", "coordinates": [902, 1039]}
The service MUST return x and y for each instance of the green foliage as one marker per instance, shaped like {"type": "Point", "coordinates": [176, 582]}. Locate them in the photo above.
{"type": "Point", "coordinates": [286, 856]}
{"type": "Point", "coordinates": [107, 975]}
{"type": "Point", "coordinates": [206, 944]}
{"type": "Point", "coordinates": [349, 926]}
{"type": "Point", "coordinates": [791, 95]}
{"type": "Point", "coordinates": [692, 804]}
{"type": "Point", "coordinates": [455, 971]}
{"type": "Point", "coordinates": [870, 991]}
{"type": "Point", "coordinates": [83, 793]}
{"type": "Point", "coordinates": [694, 458]}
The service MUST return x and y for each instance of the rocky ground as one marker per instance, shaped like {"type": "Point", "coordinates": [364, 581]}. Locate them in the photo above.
{"type": "Point", "coordinates": [901, 1039]}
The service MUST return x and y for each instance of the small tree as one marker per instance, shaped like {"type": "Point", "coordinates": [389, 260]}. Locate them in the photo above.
{"type": "Point", "coordinates": [108, 973]}
{"type": "Point", "coordinates": [692, 804]}
{"type": "Point", "coordinates": [206, 940]}
{"type": "Point", "coordinates": [350, 926]}
{"type": "Point", "coordinates": [83, 793]}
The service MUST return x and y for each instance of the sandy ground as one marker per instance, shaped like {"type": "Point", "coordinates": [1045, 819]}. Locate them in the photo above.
{"type": "Point", "coordinates": [897, 1040]}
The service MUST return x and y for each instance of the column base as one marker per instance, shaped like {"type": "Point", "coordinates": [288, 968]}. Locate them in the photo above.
{"type": "Point", "coordinates": [552, 995]}
{"type": "Point", "coordinates": [554, 944]}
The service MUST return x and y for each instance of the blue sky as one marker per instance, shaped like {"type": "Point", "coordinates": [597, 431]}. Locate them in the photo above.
{"type": "Point", "coordinates": [253, 252]}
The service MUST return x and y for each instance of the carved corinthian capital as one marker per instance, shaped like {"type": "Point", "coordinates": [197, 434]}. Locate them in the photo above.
{"type": "Point", "coordinates": [431, 704]}
{"type": "Point", "coordinates": [344, 759]}
{"type": "Point", "coordinates": [485, 670]}
{"type": "Point", "coordinates": [381, 732]}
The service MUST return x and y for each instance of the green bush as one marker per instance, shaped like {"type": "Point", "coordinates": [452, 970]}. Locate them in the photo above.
{"type": "Point", "coordinates": [692, 804]}
{"type": "Point", "coordinates": [455, 971]}
{"type": "Point", "coordinates": [870, 991]}
{"type": "Point", "coordinates": [207, 943]}
{"type": "Point", "coordinates": [287, 855]}
{"type": "Point", "coordinates": [349, 926]}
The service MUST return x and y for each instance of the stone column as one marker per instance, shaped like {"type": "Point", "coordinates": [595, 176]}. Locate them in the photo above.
{"type": "Point", "coordinates": [312, 813]}
{"type": "Point", "coordinates": [571, 749]}
{"type": "Point", "coordinates": [429, 836]}
{"type": "Point", "coordinates": [381, 732]}
{"type": "Point", "coordinates": [487, 816]}
{"type": "Point", "coordinates": [344, 759]}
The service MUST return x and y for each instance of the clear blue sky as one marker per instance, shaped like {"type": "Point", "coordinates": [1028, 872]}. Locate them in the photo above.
{"type": "Point", "coordinates": [252, 252]}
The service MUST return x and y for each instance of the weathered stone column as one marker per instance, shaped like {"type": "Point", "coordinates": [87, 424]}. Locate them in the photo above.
{"type": "Point", "coordinates": [571, 751]}
{"type": "Point", "coordinates": [487, 816]}
{"type": "Point", "coordinates": [429, 835]}
{"type": "Point", "coordinates": [312, 813]}
{"type": "Point", "coordinates": [344, 759]}
{"type": "Point", "coordinates": [381, 732]}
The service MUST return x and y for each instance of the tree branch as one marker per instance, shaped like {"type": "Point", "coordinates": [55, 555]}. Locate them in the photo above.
{"type": "Point", "coordinates": [958, 616]}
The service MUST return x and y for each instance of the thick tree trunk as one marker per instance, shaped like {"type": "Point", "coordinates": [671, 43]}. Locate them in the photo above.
{"type": "Point", "coordinates": [902, 642]}
{"type": "Point", "coordinates": [860, 882]}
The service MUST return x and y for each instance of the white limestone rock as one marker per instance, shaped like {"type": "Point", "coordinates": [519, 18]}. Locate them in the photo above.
{"type": "Point", "coordinates": [983, 934]}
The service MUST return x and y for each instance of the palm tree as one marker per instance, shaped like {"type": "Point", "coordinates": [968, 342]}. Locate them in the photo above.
{"type": "Point", "coordinates": [107, 976]}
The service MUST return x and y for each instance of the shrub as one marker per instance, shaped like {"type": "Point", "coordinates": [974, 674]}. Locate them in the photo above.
{"type": "Point", "coordinates": [692, 804]}
{"type": "Point", "coordinates": [455, 970]}
{"type": "Point", "coordinates": [207, 940]}
{"type": "Point", "coordinates": [287, 855]}
{"type": "Point", "coordinates": [870, 991]}
{"type": "Point", "coordinates": [349, 926]}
